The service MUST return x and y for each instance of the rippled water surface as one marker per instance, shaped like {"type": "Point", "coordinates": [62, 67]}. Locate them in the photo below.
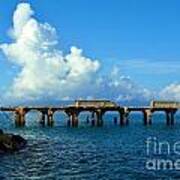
{"type": "Point", "coordinates": [109, 152]}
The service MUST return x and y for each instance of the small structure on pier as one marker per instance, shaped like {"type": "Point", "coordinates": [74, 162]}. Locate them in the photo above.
{"type": "Point", "coordinates": [95, 103]}
{"type": "Point", "coordinates": [165, 104]}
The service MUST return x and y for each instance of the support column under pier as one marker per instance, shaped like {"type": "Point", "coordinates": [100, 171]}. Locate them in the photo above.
{"type": "Point", "coordinates": [20, 117]}
{"type": "Point", "coordinates": [69, 118]}
{"type": "Point", "coordinates": [74, 119]}
{"type": "Point", "coordinates": [93, 119]}
{"type": "Point", "coordinates": [17, 119]}
{"type": "Point", "coordinates": [122, 120]}
{"type": "Point", "coordinates": [50, 120]}
{"type": "Point", "coordinates": [99, 118]}
{"type": "Point", "coordinates": [124, 117]}
{"type": "Point", "coordinates": [170, 117]}
{"type": "Point", "coordinates": [43, 118]}
{"type": "Point", "coordinates": [147, 117]}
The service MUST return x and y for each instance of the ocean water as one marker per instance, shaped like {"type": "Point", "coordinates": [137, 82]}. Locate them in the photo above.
{"type": "Point", "coordinates": [108, 152]}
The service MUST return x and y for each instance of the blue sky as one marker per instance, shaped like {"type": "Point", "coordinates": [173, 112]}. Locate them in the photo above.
{"type": "Point", "coordinates": [140, 37]}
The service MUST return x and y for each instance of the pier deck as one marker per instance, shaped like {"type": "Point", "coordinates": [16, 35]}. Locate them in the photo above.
{"type": "Point", "coordinates": [98, 108]}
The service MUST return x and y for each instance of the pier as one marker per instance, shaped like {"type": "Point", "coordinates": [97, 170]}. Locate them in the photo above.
{"type": "Point", "coordinates": [98, 108]}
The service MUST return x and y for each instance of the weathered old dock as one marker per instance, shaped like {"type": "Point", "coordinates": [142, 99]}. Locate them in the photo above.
{"type": "Point", "coordinates": [98, 108]}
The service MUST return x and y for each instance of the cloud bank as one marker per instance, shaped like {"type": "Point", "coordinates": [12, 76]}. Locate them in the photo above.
{"type": "Point", "coordinates": [45, 72]}
{"type": "Point", "coordinates": [171, 92]}
{"type": "Point", "coordinates": [44, 69]}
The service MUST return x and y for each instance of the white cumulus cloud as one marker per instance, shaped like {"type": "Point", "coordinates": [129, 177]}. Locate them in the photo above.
{"type": "Point", "coordinates": [46, 72]}
{"type": "Point", "coordinates": [171, 92]}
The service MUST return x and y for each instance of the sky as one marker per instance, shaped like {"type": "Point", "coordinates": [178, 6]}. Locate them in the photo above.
{"type": "Point", "coordinates": [123, 50]}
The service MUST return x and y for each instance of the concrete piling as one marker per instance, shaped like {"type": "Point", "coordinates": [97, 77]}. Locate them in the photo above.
{"type": "Point", "coordinates": [20, 117]}
{"type": "Point", "coordinates": [50, 120]}
{"type": "Point", "coordinates": [122, 121]}
{"type": "Point", "coordinates": [43, 118]}
{"type": "Point", "coordinates": [87, 120]}
{"type": "Point", "coordinates": [74, 119]}
{"type": "Point", "coordinates": [99, 118]}
{"type": "Point", "coordinates": [124, 117]}
{"type": "Point", "coordinates": [17, 119]}
{"type": "Point", "coordinates": [93, 119]}
{"type": "Point", "coordinates": [170, 117]}
{"type": "Point", "coordinates": [147, 117]}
